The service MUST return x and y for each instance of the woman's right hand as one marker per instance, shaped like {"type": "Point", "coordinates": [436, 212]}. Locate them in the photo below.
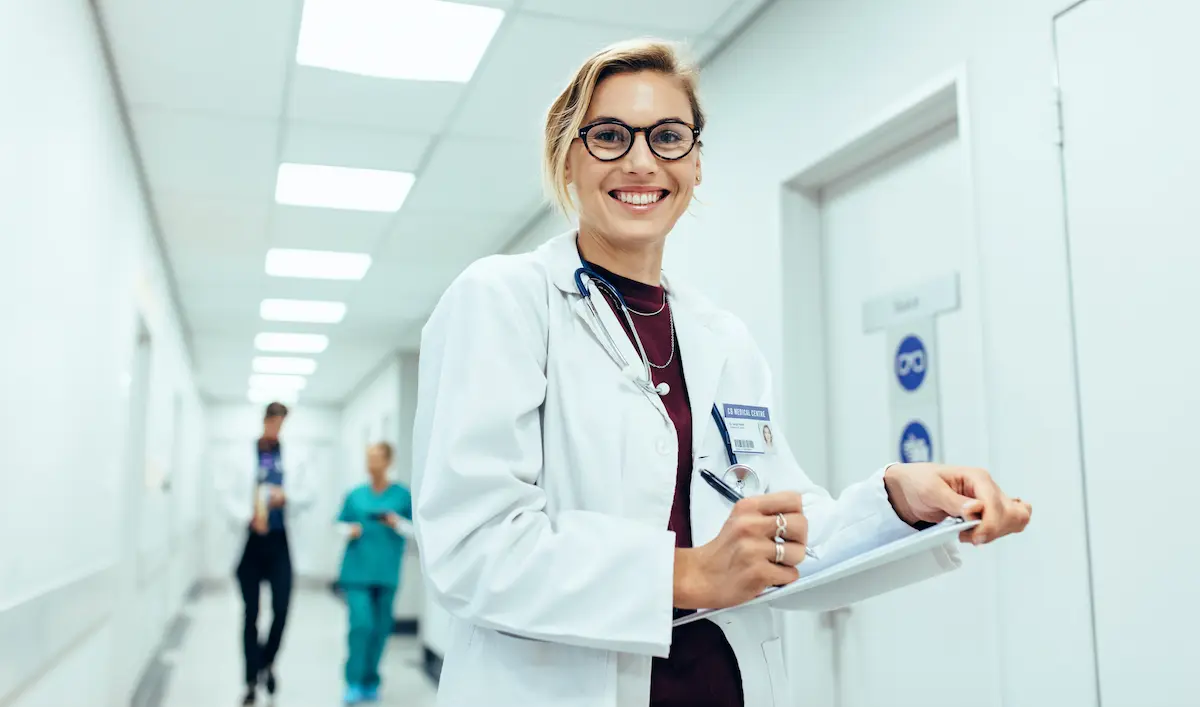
{"type": "Point", "coordinates": [355, 530]}
{"type": "Point", "coordinates": [740, 562]}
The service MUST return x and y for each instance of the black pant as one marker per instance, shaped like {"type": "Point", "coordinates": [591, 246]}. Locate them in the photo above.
{"type": "Point", "coordinates": [265, 559]}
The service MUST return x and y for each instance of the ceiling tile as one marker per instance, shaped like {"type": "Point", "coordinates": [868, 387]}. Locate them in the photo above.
{"type": "Point", "coordinates": [485, 174]}
{"type": "Point", "coordinates": [541, 52]}
{"type": "Point", "coordinates": [738, 13]}
{"type": "Point", "coordinates": [323, 96]}
{"type": "Point", "coordinates": [505, 5]}
{"type": "Point", "coordinates": [691, 17]}
{"type": "Point", "coordinates": [219, 56]}
{"type": "Point", "coordinates": [217, 225]}
{"type": "Point", "coordinates": [368, 148]}
{"type": "Point", "coordinates": [327, 229]}
{"type": "Point", "coordinates": [401, 289]}
{"type": "Point", "coordinates": [451, 237]}
{"type": "Point", "coordinates": [207, 156]}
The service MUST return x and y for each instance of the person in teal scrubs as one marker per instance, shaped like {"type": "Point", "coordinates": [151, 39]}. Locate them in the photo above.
{"type": "Point", "coordinates": [375, 519]}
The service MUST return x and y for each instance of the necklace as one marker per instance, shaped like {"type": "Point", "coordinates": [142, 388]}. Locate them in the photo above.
{"type": "Point", "coordinates": [616, 304]}
{"type": "Point", "coordinates": [661, 307]}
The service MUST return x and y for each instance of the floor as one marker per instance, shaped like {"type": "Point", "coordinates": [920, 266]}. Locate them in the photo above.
{"type": "Point", "coordinates": [206, 669]}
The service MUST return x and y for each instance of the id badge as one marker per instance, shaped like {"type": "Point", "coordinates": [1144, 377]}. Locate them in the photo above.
{"type": "Point", "coordinates": [749, 429]}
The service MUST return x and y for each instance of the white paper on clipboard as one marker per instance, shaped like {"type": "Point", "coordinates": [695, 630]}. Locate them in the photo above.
{"type": "Point", "coordinates": [897, 564]}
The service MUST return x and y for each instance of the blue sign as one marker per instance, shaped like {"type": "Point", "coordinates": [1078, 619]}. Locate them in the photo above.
{"type": "Point", "coordinates": [916, 445]}
{"type": "Point", "coordinates": [911, 363]}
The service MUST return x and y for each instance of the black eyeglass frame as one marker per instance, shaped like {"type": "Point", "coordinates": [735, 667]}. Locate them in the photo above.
{"type": "Point", "coordinates": [633, 133]}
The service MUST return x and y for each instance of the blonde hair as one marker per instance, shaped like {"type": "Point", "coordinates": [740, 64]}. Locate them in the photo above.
{"type": "Point", "coordinates": [566, 114]}
{"type": "Point", "coordinates": [386, 448]}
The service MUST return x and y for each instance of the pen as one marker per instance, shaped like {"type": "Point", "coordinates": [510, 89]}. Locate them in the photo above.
{"type": "Point", "coordinates": [733, 496]}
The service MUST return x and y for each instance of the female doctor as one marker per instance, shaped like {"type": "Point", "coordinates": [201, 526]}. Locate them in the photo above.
{"type": "Point", "coordinates": [573, 408]}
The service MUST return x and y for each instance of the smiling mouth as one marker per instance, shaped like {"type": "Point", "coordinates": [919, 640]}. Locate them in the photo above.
{"type": "Point", "coordinates": [639, 198]}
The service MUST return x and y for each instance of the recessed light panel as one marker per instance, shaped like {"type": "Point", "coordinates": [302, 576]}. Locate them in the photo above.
{"type": "Point", "coordinates": [259, 395]}
{"type": "Point", "coordinates": [265, 381]}
{"type": "Point", "coordinates": [285, 365]}
{"type": "Point", "coordinates": [348, 188]}
{"type": "Point", "coordinates": [317, 264]}
{"type": "Point", "coordinates": [413, 40]}
{"type": "Point", "coordinates": [294, 310]}
{"type": "Point", "coordinates": [291, 343]}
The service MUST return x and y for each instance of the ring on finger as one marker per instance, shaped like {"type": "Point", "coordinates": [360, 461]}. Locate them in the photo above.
{"type": "Point", "coordinates": [780, 526]}
{"type": "Point", "coordinates": [779, 553]}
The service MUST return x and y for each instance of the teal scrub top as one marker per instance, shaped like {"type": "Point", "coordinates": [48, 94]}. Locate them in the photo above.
{"type": "Point", "coordinates": [374, 558]}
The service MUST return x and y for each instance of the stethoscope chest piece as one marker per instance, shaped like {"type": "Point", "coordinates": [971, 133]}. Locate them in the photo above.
{"type": "Point", "coordinates": [744, 479]}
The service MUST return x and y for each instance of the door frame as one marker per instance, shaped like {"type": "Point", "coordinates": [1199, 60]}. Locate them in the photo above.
{"type": "Point", "coordinates": [941, 101]}
{"type": "Point", "coordinates": [1076, 383]}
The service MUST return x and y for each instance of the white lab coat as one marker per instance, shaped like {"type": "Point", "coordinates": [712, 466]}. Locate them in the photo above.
{"type": "Point", "coordinates": [544, 479]}
{"type": "Point", "coordinates": [238, 481]}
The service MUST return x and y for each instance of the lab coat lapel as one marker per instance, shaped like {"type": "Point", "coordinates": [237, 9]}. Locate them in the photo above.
{"type": "Point", "coordinates": [704, 356]}
{"type": "Point", "coordinates": [608, 320]}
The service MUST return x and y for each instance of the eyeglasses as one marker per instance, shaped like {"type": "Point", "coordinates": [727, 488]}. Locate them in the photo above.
{"type": "Point", "coordinates": [610, 140]}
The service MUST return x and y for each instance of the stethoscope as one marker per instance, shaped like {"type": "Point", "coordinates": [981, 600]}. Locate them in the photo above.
{"type": "Point", "coordinates": [738, 476]}
{"type": "Point", "coordinates": [643, 379]}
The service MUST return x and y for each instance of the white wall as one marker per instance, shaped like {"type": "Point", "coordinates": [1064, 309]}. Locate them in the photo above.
{"type": "Point", "coordinates": [311, 437]}
{"type": "Point", "coordinates": [78, 267]}
{"type": "Point", "coordinates": [803, 78]}
{"type": "Point", "coordinates": [371, 414]}
{"type": "Point", "coordinates": [381, 410]}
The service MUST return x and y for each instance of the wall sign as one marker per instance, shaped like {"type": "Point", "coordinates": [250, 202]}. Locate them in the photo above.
{"type": "Point", "coordinates": [914, 403]}
{"type": "Point", "coordinates": [916, 444]}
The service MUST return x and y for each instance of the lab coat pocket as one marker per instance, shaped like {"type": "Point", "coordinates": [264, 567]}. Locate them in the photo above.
{"type": "Point", "coordinates": [776, 671]}
{"type": "Point", "coordinates": [571, 675]}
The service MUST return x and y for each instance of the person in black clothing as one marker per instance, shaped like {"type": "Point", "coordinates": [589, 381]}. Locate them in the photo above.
{"type": "Point", "coordinates": [261, 503]}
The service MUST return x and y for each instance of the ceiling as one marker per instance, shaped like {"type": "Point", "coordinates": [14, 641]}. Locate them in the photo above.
{"type": "Point", "coordinates": [217, 101]}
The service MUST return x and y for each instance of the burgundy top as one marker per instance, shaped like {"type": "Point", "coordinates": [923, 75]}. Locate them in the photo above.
{"type": "Point", "coordinates": [702, 670]}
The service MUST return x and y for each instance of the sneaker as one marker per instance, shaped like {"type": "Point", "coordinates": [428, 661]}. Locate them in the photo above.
{"type": "Point", "coordinates": [250, 698]}
{"type": "Point", "coordinates": [354, 695]}
{"type": "Point", "coordinates": [370, 694]}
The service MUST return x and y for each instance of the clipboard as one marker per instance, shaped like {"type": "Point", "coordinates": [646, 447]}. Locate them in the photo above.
{"type": "Point", "coordinates": [897, 564]}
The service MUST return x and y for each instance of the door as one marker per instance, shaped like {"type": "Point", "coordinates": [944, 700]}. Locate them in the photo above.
{"type": "Point", "coordinates": [901, 222]}
{"type": "Point", "coordinates": [1130, 153]}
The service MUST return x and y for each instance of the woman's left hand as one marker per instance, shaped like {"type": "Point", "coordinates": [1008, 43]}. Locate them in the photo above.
{"type": "Point", "coordinates": [933, 492]}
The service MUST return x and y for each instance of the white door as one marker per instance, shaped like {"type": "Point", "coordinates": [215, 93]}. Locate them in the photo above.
{"type": "Point", "coordinates": [901, 222]}
{"type": "Point", "coordinates": [1131, 109]}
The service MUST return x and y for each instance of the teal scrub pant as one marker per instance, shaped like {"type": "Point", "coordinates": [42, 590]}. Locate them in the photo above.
{"type": "Point", "coordinates": [370, 626]}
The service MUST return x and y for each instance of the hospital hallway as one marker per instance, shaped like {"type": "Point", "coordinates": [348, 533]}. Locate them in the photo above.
{"type": "Point", "coordinates": [289, 292]}
{"type": "Point", "coordinates": [204, 651]}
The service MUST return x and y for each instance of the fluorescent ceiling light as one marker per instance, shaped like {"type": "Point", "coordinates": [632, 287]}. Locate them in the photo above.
{"type": "Point", "coordinates": [291, 343]}
{"type": "Point", "coordinates": [320, 264]}
{"type": "Point", "coordinates": [348, 188]}
{"type": "Point", "coordinates": [259, 395]}
{"type": "Point", "coordinates": [275, 382]}
{"type": "Point", "coordinates": [283, 364]}
{"type": "Point", "coordinates": [295, 310]}
{"type": "Point", "coordinates": [414, 40]}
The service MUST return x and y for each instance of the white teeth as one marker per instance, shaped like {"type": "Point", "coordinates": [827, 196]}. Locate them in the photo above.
{"type": "Point", "coordinates": [639, 198]}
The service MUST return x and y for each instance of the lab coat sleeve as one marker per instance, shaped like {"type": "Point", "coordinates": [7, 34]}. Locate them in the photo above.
{"type": "Point", "coordinates": [491, 553]}
{"type": "Point", "coordinates": [237, 496]}
{"type": "Point", "coordinates": [860, 519]}
{"type": "Point", "coordinates": [299, 488]}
